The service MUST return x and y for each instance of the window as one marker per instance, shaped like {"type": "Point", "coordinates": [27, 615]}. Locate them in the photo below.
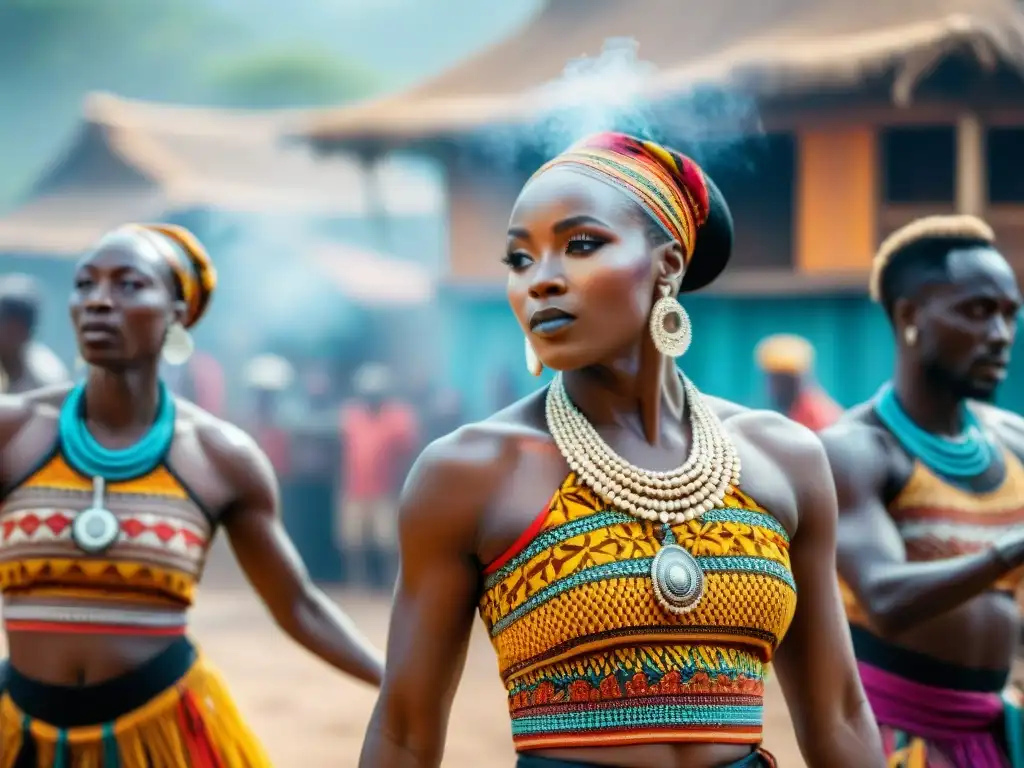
{"type": "Point", "coordinates": [919, 165]}
{"type": "Point", "coordinates": [1005, 161]}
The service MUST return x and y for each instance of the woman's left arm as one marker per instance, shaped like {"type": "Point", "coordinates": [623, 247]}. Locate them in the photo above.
{"type": "Point", "coordinates": [275, 569]}
{"type": "Point", "coordinates": [815, 663]}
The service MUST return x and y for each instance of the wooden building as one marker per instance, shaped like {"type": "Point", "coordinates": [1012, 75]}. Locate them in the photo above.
{"type": "Point", "coordinates": [231, 178]}
{"type": "Point", "coordinates": [870, 114]}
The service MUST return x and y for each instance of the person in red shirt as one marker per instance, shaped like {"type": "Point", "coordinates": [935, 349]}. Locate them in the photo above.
{"type": "Point", "coordinates": [379, 434]}
{"type": "Point", "coordinates": [788, 361]}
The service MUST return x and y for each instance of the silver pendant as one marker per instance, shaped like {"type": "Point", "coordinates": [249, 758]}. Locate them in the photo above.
{"type": "Point", "coordinates": [95, 529]}
{"type": "Point", "coordinates": [677, 579]}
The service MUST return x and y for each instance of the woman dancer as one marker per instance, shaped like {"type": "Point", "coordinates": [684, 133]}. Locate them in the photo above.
{"type": "Point", "coordinates": [633, 617]}
{"type": "Point", "coordinates": [112, 493]}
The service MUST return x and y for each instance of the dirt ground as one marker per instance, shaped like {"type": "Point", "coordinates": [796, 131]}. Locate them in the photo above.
{"type": "Point", "coordinates": [310, 717]}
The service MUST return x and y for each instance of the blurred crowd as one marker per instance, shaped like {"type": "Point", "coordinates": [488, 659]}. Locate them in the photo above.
{"type": "Point", "coordinates": [342, 441]}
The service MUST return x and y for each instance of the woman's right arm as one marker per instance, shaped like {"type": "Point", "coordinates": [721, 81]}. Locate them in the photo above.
{"type": "Point", "coordinates": [435, 600]}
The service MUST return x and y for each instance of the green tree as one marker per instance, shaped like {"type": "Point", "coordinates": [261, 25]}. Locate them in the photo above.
{"type": "Point", "coordinates": [289, 77]}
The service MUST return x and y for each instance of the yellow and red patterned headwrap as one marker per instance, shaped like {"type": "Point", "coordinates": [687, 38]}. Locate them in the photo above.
{"type": "Point", "coordinates": [192, 266]}
{"type": "Point", "coordinates": [671, 187]}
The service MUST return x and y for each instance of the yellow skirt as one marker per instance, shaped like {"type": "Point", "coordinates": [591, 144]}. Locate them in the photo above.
{"type": "Point", "coordinates": [174, 712]}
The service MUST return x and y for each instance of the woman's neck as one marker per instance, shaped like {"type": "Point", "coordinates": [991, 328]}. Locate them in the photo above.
{"type": "Point", "coordinates": [122, 401]}
{"type": "Point", "coordinates": [630, 393]}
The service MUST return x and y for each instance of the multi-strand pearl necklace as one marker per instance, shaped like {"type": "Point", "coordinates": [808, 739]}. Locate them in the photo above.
{"type": "Point", "coordinates": [682, 494]}
{"type": "Point", "coordinates": [685, 493]}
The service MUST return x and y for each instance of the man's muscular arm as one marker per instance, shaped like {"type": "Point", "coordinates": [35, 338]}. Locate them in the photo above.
{"type": "Point", "coordinates": [871, 557]}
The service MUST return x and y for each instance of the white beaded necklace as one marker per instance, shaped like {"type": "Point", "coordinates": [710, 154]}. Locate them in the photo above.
{"type": "Point", "coordinates": [685, 493]}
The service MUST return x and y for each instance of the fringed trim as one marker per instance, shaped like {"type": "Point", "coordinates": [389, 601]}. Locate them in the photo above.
{"type": "Point", "coordinates": [195, 724]}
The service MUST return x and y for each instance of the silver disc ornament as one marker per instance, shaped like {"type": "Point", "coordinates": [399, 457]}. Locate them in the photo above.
{"type": "Point", "coordinates": [95, 529]}
{"type": "Point", "coordinates": [677, 579]}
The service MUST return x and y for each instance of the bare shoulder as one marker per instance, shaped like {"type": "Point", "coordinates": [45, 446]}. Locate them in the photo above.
{"type": "Point", "coordinates": [1005, 423]}
{"type": "Point", "coordinates": [457, 475]}
{"type": "Point", "coordinates": [230, 450]}
{"type": "Point", "coordinates": [857, 442]}
{"type": "Point", "coordinates": [779, 436]}
{"type": "Point", "coordinates": [16, 411]}
{"type": "Point", "coordinates": [724, 409]}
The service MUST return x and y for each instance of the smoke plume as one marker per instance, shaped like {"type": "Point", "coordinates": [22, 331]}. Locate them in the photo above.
{"type": "Point", "coordinates": [615, 91]}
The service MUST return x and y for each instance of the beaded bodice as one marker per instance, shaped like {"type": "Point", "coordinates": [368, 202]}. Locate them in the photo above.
{"type": "Point", "coordinates": [145, 578]}
{"type": "Point", "coordinates": [939, 520]}
{"type": "Point", "coordinates": [589, 657]}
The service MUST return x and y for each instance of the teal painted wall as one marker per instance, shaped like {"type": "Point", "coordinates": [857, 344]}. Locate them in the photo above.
{"type": "Point", "coordinates": [851, 335]}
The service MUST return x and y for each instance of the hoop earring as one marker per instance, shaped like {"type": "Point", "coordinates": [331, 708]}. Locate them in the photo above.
{"type": "Point", "coordinates": [910, 335]}
{"type": "Point", "coordinates": [533, 363]}
{"type": "Point", "coordinates": [178, 345]}
{"type": "Point", "coordinates": [671, 343]}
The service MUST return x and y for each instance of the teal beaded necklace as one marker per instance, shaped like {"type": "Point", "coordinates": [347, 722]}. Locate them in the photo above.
{"type": "Point", "coordinates": [82, 451]}
{"type": "Point", "coordinates": [965, 456]}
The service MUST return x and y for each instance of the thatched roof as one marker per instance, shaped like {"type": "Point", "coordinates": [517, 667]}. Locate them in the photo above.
{"type": "Point", "coordinates": [373, 278]}
{"type": "Point", "coordinates": [769, 47]}
{"type": "Point", "coordinates": [133, 160]}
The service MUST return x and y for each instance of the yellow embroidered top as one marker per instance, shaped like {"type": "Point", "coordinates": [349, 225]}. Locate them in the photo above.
{"type": "Point", "coordinates": [939, 520]}
{"type": "Point", "coordinates": [588, 656]}
{"type": "Point", "coordinates": [142, 584]}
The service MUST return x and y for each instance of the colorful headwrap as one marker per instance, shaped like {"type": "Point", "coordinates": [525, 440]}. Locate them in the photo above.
{"type": "Point", "coordinates": [669, 186]}
{"type": "Point", "coordinates": [192, 266]}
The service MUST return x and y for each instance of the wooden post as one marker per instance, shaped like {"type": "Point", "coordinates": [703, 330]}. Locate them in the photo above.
{"type": "Point", "coordinates": [376, 207]}
{"type": "Point", "coordinates": [971, 181]}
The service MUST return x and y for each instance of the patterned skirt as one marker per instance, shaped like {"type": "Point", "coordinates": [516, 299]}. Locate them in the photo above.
{"type": "Point", "coordinates": [172, 712]}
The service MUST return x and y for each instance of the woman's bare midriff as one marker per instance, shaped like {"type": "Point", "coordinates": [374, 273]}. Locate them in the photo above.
{"type": "Point", "coordinates": [80, 659]}
{"type": "Point", "coordinates": [653, 755]}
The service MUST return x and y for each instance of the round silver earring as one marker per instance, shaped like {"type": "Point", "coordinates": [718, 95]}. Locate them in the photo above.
{"type": "Point", "coordinates": [178, 346]}
{"type": "Point", "coordinates": [670, 324]}
{"type": "Point", "coordinates": [910, 335]}
{"type": "Point", "coordinates": [533, 363]}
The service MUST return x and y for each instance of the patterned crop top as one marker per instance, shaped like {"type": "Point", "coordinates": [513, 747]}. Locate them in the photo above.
{"type": "Point", "coordinates": [939, 520]}
{"type": "Point", "coordinates": [588, 656]}
{"type": "Point", "coordinates": [142, 584]}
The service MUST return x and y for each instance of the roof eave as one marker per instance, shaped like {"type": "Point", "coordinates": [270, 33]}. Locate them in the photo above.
{"type": "Point", "coordinates": [787, 75]}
